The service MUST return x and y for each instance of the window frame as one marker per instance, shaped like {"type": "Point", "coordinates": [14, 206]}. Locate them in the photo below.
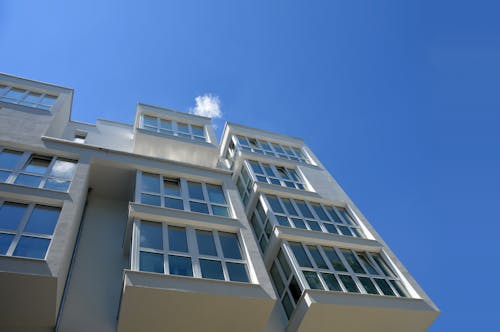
{"type": "Point", "coordinates": [174, 131]}
{"type": "Point", "coordinates": [19, 232]}
{"type": "Point", "coordinates": [298, 184]}
{"type": "Point", "coordinates": [192, 251]}
{"type": "Point", "coordinates": [184, 194]}
{"type": "Point", "coordinates": [268, 148]}
{"type": "Point", "coordinates": [39, 104]}
{"type": "Point", "coordinates": [25, 158]}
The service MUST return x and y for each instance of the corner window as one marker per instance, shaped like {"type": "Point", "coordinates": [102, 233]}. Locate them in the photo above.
{"type": "Point", "coordinates": [33, 170]}
{"type": "Point", "coordinates": [173, 128]}
{"type": "Point", "coordinates": [190, 252]}
{"type": "Point", "coordinates": [181, 194]}
{"type": "Point", "coordinates": [25, 97]}
{"type": "Point", "coordinates": [26, 230]}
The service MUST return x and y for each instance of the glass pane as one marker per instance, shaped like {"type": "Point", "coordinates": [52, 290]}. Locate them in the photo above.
{"type": "Point", "coordinates": [150, 262]}
{"type": "Point", "coordinates": [165, 124]}
{"type": "Point", "coordinates": [58, 185]}
{"type": "Point", "coordinates": [313, 280]}
{"type": "Point", "coordinates": [399, 287]}
{"type": "Point", "coordinates": [268, 169]}
{"type": "Point", "coordinates": [313, 225]}
{"type": "Point", "coordinates": [37, 165]}
{"type": "Point", "coordinates": [349, 283]}
{"type": "Point", "coordinates": [304, 209]}
{"type": "Point", "coordinates": [299, 223]}
{"type": "Point", "coordinates": [28, 180]}
{"type": "Point", "coordinates": [384, 286]}
{"type": "Point", "coordinates": [230, 245]}
{"type": "Point", "coordinates": [215, 194]}
{"type": "Point", "coordinates": [151, 235]}
{"type": "Point", "coordinates": [287, 305]}
{"type": "Point", "coordinates": [211, 269]}
{"type": "Point", "coordinates": [182, 127]}
{"type": "Point", "coordinates": [261, 178]}
{"type": "Point", "coordinates": [284, 264]}
{"type": "Point", "coordinates": [4, 176]}
{"type": "Point", "coordinates": [330, 228]}
{"type": "Point", "coordinates": [282, 173]}
{"type": "Point", "coordinates": [383, 265]}
{"type": "Point", "coordinates": [257, 228]}
{"type": "Point", "coordinates": [5, 241]}
{"type": "Point", "coordinates": [345, 230]}
{"type": "Point", "coordinates": [368, 285]}
{"type": "Point", "coordinates": [33, 97]}
{"type": "Point", "coordinates": [351, 259]}
{"type": "Point", "coordinates": [220, 210]}
{"type": "Point", "coordinates": [295, 289]}
{"type": "Point", "coordinates": [177, 239]}
{"type": "Point", "coordinates": [206, 243]}
{"type": "Point", "coordinates": [320, 212]}
{"type": "Point", "coordinates": [289, 207]}
{"type": "Point", "coordinates": [318, 259]}
{"type": "Point", "coordinates": [346, 216]}
{"type": "Point", "coordinates": [300, 254]}
{"type": "Point", "coordinates": [174, 203]}
{"type": "Point", "coordinates": [334, 259]}
{"type": "Point", "coordinates": [331, 282]}
{"type": "Point", "coordinates": [277, 148]}
{"type": "Point", "coordinates": [195, 190]}
{"type": "Point", "coordinates": [11, 215]}
{"type": "Point", "coordinates": [283, 221]}
{"type": "Point", "coordinates": [150, 183]}
{"type": "Point", "coordinates": [180, 265]}
{"type": "Point", "coordinates": [171, 187]}
{"type": "Point", "coordinates": [198, 130]}
{"type": "Point", "coordinates": [275, 204]}
{"type": "Point", "coordinates": [9, 159]}
{"type": "Point", "coordinates": [149, 121]}
{"type": "Point", "coordinates": [43, 220]}
{"type": "Point", "coordinates": [49, 100]}
{"type": "Point", "coordinates": [256, 167]}
{"type": "Point", "coordinates": [31, 247]}
{"type": "Point", "coordinates": [333, 214]}
{"type": "Point", "coordinates": [237, 272]}
{"type": "Point", "coordinates": [15, 93]}
{"type": "Point", "coordinates": [150, 200]}
{"type": "Point", "coordinates": [366, 263]}
{"type": "Point", "coordinates": [278, 282]}
{"type": "Point", "coordinates": [198, 207]}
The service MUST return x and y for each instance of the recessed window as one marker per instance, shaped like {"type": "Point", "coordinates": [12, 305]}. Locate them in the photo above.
{"type": "Point", "coordinates": [190, 252]}
{"type": "Point", "coordinates": [26, 230]}
{"type": "Point", "coordinates": [27, 98]}
{"type": "Point", "coordinates": [181, 194]}
{"type": "Point", "coordinates": [32, 170]}
{"type": "Point", "coordinates": [173, 128]}
{"type": "Point", "coordinates": [80, 137]}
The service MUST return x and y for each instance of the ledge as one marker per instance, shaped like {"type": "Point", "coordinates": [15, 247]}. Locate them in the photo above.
{"type": "Point", "coordinates": [24, 108]}
{"type": "Point", "coordinates": [24, 193]}
{"type": "Point", "coordinates": [320, 311]}
{"type": "Point", "coordinates": [157, 302]}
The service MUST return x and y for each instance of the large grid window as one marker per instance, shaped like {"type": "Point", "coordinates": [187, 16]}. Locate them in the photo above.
{"type": "Point", "coordinates": [35, 170]}
{"type": "Point", "coordinates": [346, 270]}
{"type": "Point", "coordinates": [190, 252]}
{"type": "Point", "coordinates": [312, 216]}
{"type": "Point", "coordinates": [181, 194]}
{"type": "Point", "coordinates": [25, 97]}
{"type": "Point", "coordinates": [266, 148]}
{"type": "Point", "coordinates": [173, 128]}
{"type": "Point", "coordinates": [26, 229]}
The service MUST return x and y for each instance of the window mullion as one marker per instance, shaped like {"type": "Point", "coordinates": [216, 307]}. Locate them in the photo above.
{"type": "Point", "coordinates": [185, 194]}
{"type": "Point", "coordinates": [19, 230]}
{"type": "Point", "coordinates": [166, 248]}
{"type": "Point", "coordinates": [193, 251]}
{"type": "Point", "coordinates": [220, 254]}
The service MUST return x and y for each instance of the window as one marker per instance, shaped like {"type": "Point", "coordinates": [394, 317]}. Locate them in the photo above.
{"type": "Point", "coordinates": [26, 229]}
{"type": "Point", "coordinates": [273, 174]}
{"type": "Point", "coordinates": [270, 149]}
{"type": "Point", "coordinates": [312, 216]}
{"type": "Point", "coordinates": [182, 194]}
{"type": "Point", "coordinates": [262, 226]}
{"type": "Point", "coordinates": [35, 170]}
{"type": "Point", "coordinates": [190, 252]}
{"type": "Point", "coordinates": [173, 128]}
{"type": "Point", "coordinates": [26, 98]}
{"type": "Point", "coordinates": [80, 137]}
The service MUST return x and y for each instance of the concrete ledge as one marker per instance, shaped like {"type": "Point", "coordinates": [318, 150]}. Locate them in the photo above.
{"type": "Point", "coordinates": [157, 302]}
{"type": "Point", "coordinates": [11, 191]}
{"type": "Point", "coordinates": [320, 311]}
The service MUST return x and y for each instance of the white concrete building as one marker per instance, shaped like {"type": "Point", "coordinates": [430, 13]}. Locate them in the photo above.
{"type": "Point", "coordinates": [156, 226]}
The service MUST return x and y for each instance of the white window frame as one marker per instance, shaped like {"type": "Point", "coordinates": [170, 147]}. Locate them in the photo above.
{"type": "Point", "coordinates": [267, 148]}
{"type": "Point", "coordinates": [175, 128]}
{"type": "Point", "coordinates": [4, 90]}
{"type": "Point", "coordinates": [340, 227]}
{"type": "Point", "coordinates": [18, 233]}
{"type": "Point", "coordinates": [277, 179]}
{"type": "Point", "coordinates": [25, 158]}
{"type": "Point", "coordinates": [192, 253]}
{"type": "Point", "coordinates": [184, 194]}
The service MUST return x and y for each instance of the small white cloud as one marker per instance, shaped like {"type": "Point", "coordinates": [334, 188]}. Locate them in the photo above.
{"type": "Point", "coordinates": [207, 105]}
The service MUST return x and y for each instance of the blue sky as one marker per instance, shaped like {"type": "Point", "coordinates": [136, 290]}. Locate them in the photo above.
{"type": "Point", "coordinates": [399, 99]}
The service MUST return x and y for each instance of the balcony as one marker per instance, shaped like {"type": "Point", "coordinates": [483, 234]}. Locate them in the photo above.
{"type": "Point", "coordinates": [157, 302]}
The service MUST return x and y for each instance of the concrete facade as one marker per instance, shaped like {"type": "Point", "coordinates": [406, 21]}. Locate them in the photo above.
{"type": "Point", "coordinates": [156, 230]}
